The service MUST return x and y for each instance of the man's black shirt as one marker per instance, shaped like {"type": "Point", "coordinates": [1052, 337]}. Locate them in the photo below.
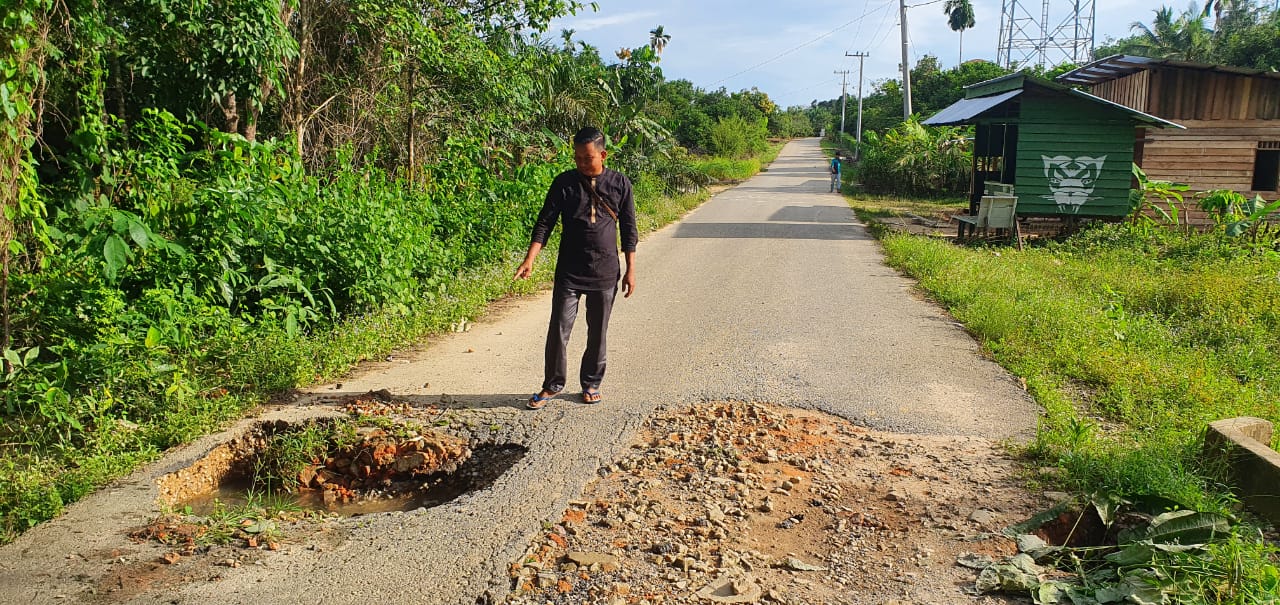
{"type": "Point", "coordinates": [588, 258]}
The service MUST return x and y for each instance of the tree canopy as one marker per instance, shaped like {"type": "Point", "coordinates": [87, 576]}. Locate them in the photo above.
{"type": "Point", "coordinates": [1243, 33]}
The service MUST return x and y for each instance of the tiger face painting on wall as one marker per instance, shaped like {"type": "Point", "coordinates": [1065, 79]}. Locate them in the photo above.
{"type": "Point", "coordinates": [1071, 180]}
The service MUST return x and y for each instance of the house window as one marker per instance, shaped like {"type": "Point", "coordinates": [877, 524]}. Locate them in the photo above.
{"type": "Point", "coordinates": [1266, 166]}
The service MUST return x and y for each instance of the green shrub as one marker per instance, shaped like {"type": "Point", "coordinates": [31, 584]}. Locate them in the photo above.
{"type": "Point", "coordinates": [913, 159]}
{"type": "Point", "coordinates": [737, 138]}
{"type": "Point", "coordinates": [727, 169]}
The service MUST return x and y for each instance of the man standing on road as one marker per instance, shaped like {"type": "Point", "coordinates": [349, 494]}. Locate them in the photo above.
{"type": "Point", "coordinates": [594, 205]}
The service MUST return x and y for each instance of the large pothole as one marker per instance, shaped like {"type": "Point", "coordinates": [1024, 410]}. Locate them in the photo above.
{"type": "Point", "coordinates": [339, 465]}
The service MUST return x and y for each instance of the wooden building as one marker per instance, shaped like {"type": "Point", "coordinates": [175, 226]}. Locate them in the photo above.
{"type": "Point", "coordinates": [1065, 152]}
{"type": "Point", "coordinates": [1231, 114]}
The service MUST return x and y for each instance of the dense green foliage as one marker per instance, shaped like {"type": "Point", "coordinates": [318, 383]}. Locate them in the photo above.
{"type": "Point", "coordinates": [208, 202]}
{"type": "Point", "coordinates": [1243, 33]}
{"type": "Point", "coordinates": [1133, 337]}
{"type": "Point", "coordinates": [912, 159]}
{"type": "Point", "coordinates": [724, 123]}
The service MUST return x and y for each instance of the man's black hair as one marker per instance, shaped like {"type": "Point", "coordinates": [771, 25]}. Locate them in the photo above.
{"type": "Point", "coordinates": [590, 134]}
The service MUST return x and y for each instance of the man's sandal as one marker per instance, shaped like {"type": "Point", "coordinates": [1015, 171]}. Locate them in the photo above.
{"type": "Point", "coordinates": [591, 397]}
{"type": "Point", "coordinates": [538, 401]}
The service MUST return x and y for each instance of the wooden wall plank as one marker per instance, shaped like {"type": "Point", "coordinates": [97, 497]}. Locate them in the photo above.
{"type": "Point", "coordinates": [1245, 99]}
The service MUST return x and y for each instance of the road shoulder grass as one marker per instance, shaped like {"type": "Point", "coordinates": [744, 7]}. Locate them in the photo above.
{"type": "Point", "coordinates": [1132, 337]}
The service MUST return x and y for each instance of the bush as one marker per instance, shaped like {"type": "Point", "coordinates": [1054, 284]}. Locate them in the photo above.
{"type": "Point", "coordinates": [913, 159]}
{"type": "Point", "coordinates": [725, 169]}
{"type": "Point", "coordinates": [735, 137]}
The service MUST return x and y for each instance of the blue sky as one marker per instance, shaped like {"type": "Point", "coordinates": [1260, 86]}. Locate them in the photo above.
{"type": "Point", "coordinates": [790, 49]}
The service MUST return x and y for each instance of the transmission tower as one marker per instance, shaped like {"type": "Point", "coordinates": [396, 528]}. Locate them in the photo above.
{"type": "Point", "coordinates": [1063, 35]}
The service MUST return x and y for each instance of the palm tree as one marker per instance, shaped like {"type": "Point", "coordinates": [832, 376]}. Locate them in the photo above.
{"type": "Point", "coordinates": [1186, 38]}
{"type": "Point", "coordinates": [960, 17]}
{"type": "Point", "coordinates": [1218, 7]}
{"type": "Point", "coordinates": [658, 40]}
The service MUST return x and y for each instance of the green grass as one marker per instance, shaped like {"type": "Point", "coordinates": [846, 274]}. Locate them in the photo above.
{"type": "Point", "coordinates": [1132, 338]}
{"type": "Point", "coordinates": [889, 206]}
{"type": "Point", "coordinates": [1145, 348]}
{"type": "Point", "coordinates": [257, 361]}
{"type": "Point", "coordinates": [727, 169]}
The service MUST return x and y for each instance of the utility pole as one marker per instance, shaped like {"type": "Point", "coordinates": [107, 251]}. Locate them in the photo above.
{"type": "Point", "coordinates": [857, 151]}
{"type": "Point", "coordinates": [906, 66]}
{"type": "Point", "coordinates": [844, 97]}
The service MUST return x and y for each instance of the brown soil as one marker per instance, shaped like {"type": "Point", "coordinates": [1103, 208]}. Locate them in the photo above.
{"type": "Point", "coordinates": [755, 503]}
{"type": "Point", "coordinates": [795, 506]}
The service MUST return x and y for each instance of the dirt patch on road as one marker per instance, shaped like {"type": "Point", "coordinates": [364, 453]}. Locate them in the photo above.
{"type": "Point", "coordinates": [737, 502]}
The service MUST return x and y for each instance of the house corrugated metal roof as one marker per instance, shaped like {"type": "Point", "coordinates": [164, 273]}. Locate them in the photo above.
{"type": "Point", "coordinates": [1119, 66]}
{"type": "Point", "coordinates": [965, 110]}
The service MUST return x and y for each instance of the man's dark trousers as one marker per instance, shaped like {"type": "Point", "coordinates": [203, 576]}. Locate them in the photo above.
{"type": "Point", "coordinates": [564, 310]}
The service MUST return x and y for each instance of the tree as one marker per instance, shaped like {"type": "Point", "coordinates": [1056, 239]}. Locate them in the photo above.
{"type": "Point", "coordinates": [658, 40]}
{"type": "Point", "coordinates": [1219, 8]}
{"type": "Point", "coordinates": [959, 17]}
{"type": "Point", "coordinates": [1256, 45]}
{"type": "Point", "coordinates": [1186, 38]}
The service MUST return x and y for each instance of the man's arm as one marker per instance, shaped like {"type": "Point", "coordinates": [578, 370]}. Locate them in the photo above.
{"type": "Point", "coordinates": [630, 236]}
{"type": "Point", "coordinates": [526, 268]}
{"type": "Point", "coordinates": [541, 231]}
{"type": "Point", "coordinates": [629, 278]}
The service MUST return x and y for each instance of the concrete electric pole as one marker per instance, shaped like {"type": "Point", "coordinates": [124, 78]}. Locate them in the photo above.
{"type": "Point", "coordinates": [844, 96]}
{"type": "Point", "coordinates": [857, 151]}
{"type": "Point", "coordinates": [906, 65]}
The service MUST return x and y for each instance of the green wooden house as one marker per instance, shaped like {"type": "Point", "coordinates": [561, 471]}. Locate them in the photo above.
{"type": "Point", "coordinates": [1066, 152]}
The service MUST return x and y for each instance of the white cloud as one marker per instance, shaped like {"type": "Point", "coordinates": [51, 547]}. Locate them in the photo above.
{"type": "Point", "coordinates": [586, 24]}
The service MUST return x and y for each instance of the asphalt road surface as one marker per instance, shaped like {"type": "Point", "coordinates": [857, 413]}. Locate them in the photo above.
{"type": "Point", "coordinates": [771, 291]}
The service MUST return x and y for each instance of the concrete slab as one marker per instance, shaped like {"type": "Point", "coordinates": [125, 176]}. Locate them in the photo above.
{"type": "Point", "coordinates": [1253, 468]}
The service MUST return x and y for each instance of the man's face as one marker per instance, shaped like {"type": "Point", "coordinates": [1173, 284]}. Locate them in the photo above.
{"type": "Point", "coordinates": [589, 158]}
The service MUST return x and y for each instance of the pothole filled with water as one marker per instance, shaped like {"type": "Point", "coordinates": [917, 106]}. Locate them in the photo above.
{"type": "Point", "coordinates": [342, 466]}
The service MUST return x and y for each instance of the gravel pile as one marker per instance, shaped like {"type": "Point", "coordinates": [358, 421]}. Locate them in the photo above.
{"type": "Point", "coordinates": [733, 502]}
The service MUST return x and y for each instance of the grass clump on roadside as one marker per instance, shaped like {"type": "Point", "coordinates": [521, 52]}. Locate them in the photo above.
{"type": "Point", "coordinates": [1133, 339]}
{"type": "Point", "coordinates": [727, 169]}
{"type": "Point", "coordinates": [736, 169]}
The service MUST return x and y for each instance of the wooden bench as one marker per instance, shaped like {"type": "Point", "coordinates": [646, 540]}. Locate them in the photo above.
{"type": "Point", "coordinates": [999, 212]}
{"type": "Point", "coordinates": [974, 221]}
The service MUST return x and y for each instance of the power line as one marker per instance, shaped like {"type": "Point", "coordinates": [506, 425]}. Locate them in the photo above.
{"type": "Point", "coordinates": [795, 91]}
{"type": "Point", "coordinates": [866, 10]}
{"type": "Point", "coordinates": [788, 51]}
{"type": "Point", "coordinates": [885, 31]}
